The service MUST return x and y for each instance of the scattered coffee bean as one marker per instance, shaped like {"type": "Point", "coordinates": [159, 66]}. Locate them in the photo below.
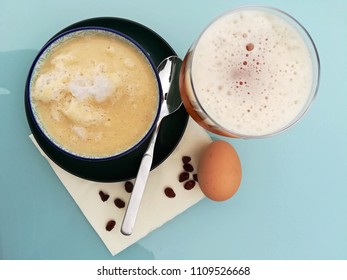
{"type": "Point", "coordinates": [110, 225]}
{"type": "Point", "coordinates": [129, 186]}
{"type": "Point", "coordinates": [119, 203]}
{"type": "Point", "coordinates": [103, 196]}
{"type": "Point", "coordinates": [195, 177]}
{"type": "Point", "coordinates": [169, 192]}
{"type": "Point", "coordinates": [188, 167]}
{"type": "Point", "coordinates": [184, 176]}
{"type": "Point", "coordinates": [186, 159]}
{"type": "Point", "coordinates": [189, 184]}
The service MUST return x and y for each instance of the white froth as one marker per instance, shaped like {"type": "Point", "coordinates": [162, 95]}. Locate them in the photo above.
{"type": "Point", "coordinates": [80, 131]}
{"type": "Point", "coordinates": [129, 63]}
{"type": "Point", "coordinates": [95, 83]}
{"type": "Point", "coordinates": [72, 89]}
{"type": "Point", "coordinates": [48, 87]}
{"type": "Point", "coordinates": [83, 112]}
{"type": "Point", "coordinates": [252, 72]}
{"type": "Point", "coordinates": [62, 60]}
{"type": "Point", "coordinates": [97, 86]}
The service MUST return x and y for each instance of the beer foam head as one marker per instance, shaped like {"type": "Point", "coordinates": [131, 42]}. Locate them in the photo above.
{"type": "Point", "coordinates": [252, 72]}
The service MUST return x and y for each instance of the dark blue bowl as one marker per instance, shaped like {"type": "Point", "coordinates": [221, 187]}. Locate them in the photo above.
{"type": "Point", "coordinates": [122, 166]}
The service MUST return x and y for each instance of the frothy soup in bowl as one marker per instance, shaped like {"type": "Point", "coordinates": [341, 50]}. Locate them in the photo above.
{"type": "Point", "coordinates": [93, 94]}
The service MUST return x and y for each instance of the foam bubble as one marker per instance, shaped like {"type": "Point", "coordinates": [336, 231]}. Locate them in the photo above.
{"type": "Point", "coordinates": [62, 60]}
{"type": "Point", "coordinates": [98, 86]}
{"type": "Point", "coordinates": [129, 63]}
{"type": "Point", "coordinates": [80, 131]}
{"type": "Point", "coordinates": [83, 112]}
{"type": "Point", "coordinates": [49, 86]}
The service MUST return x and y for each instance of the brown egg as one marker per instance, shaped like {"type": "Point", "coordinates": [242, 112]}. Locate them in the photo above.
{"type": "Point", "coordinates": [219, 171]}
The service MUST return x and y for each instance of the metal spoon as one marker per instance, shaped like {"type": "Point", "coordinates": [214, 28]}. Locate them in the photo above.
{"type": "Point", "coordinates": [168, 71]}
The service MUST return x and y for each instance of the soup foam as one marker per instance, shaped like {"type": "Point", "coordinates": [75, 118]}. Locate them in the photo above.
{"type": "Point", "coordinates": [95, 95]}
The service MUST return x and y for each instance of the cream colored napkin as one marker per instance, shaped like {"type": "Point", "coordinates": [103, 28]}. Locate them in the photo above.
{"type": "Point", "coordinates": [156, 208]}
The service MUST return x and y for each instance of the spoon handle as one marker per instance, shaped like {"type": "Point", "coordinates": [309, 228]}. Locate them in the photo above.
{"type": "Point", "coordinates": [168, 72]}
{"type": "Point", "coordinates": [139, 186]}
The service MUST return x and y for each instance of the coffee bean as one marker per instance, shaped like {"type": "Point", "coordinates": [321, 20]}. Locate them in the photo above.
{"type": "Point", "coordinates": [188, 167]}
{"type": "Point", "coordinates": [119, 203]}
{"type": "Point", "coordinates": [195, 177]}
{"type": "Point", "coordinates": [129, 186]}
{"type": "Point", "coordinates": [110, 225]}
{"type": "Point", "coordinates": [186, 159]}
{"type": "Point", "coordinates": [189, 184]}
{"type": "Point", "coordinates": [184, 176]}
{"type": "Point", "coordinates": [169, 192]}
{"type": "Point", "coordinates": [103, 196]}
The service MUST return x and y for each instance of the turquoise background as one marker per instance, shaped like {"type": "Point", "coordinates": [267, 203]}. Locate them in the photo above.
{"type": "Point", "coordinates": [292, 203]}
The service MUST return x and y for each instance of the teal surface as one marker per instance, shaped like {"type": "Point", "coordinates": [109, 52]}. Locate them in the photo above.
{"type": "Point", "coordinates": [292, 203]}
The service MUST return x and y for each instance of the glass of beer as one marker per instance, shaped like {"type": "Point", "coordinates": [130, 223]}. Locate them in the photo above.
{"type": "Point", "coordinates": [253, 72]}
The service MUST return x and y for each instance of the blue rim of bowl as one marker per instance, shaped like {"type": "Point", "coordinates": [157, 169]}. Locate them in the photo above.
{"type": "Point", "coordinates": [33, 115]}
